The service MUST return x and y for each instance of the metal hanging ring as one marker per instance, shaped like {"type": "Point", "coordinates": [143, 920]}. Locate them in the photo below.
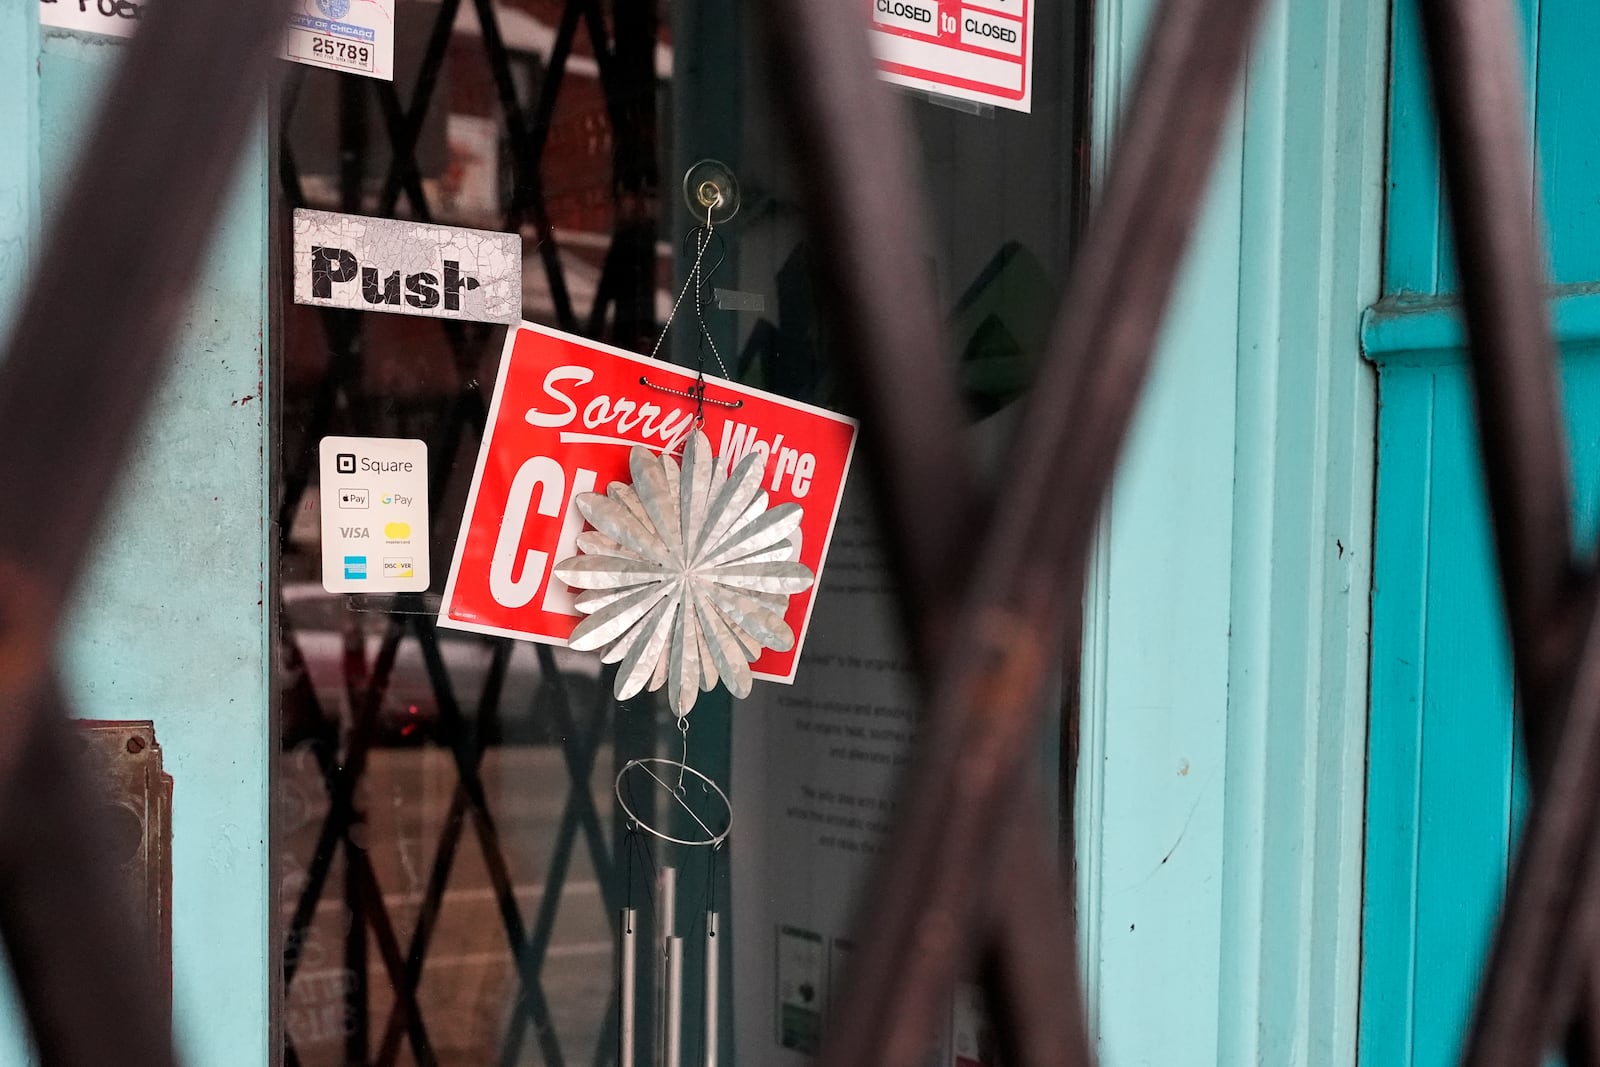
{"type": "Point", "coordinates": [712, 837]}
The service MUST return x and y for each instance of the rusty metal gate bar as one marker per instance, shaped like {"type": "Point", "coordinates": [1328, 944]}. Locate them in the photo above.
{"type": "Point", "coordinates": [67, 406]}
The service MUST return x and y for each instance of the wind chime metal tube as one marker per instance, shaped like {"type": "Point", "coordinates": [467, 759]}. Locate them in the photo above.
{"type": "Point", "coordinates": [630, 983]}
{"type": "Point", "coordinates": [666, 908]}
{"type": "Point", "coordinates": [711, 989]}
{"type": "Point", "coordinates": [674, 1002]}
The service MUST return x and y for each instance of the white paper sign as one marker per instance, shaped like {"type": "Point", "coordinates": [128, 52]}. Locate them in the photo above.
{"type": "Point", "coordinates": [980, 50]}
{"type": "Point", "coordinates": [407, 268]}
{"type": "Point", "coordinates": [374, 515]}
{"type": "Point", "coordinates": [356, 36]}
{"type": "Point", "coordinates": [815, 768]}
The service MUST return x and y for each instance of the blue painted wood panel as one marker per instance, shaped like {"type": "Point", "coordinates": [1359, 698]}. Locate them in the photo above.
{"type": "Point", "coordinates": [1557, 41]}
{"type": "Point", "coordinates": [1569, 150]}
{"type": "Point", "coordinates": [1446, 788]}
{"type": "Point", "coordinates": [1446, 785]}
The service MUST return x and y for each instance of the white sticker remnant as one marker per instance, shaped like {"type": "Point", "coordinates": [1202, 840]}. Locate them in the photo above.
{"type": "Point", "coordinates": [980, 51]}
{"type": "Point", "coordinates": [354, 36]}
{"type": "Point", "coordinates": [409, 268]}
{"type": "Point", "coordinates": [374, 515]}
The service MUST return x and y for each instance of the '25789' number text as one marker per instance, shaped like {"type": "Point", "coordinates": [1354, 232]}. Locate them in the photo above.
{"type": "Point", "coordinates": [343, 51]}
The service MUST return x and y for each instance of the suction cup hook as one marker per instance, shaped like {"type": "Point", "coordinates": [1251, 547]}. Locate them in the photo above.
{"type": "Point", "coordinates": [710, 186]}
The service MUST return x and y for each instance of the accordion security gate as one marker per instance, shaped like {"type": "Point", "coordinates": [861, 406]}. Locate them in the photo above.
{"type": "Point", "coordinates": [339, 403]}
{"type": "Point", "coordinates": [65, 406]}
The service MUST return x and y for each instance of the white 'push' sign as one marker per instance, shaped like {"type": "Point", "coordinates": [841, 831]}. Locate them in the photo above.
{"type": "Point", "coordinates": [374, 515]}
{"type": "Point", "coordinates": [979, 50]}
{"type": "Point", "coordinates": [409, 268]}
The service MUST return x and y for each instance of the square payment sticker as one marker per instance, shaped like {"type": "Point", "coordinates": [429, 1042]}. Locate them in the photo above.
{"type": "Point", "coordinates": [374, 503]}
{"type": "Point", "coordinates": [566, 415]}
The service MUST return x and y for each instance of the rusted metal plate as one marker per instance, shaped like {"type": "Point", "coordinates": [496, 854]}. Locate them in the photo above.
{"type": "Point", "coordinates": [134, 807]}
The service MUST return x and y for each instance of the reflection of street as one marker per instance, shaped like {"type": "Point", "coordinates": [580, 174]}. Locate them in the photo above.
{"type": "Point", "coordinates": [468, 986]}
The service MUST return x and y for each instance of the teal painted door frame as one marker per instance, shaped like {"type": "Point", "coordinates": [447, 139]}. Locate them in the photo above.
{"type": "Point", "coordinates": [1446, 789]}
{"type": "Point", "coordinates": [19, 219]}
{"type": "Point", "coordinates": [171, 624]}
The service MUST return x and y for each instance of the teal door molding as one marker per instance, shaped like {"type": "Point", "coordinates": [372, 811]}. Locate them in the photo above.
{"type": "Point", "coordinates": [1224, 699]}
{"type": "Point", "coordinates": [19, 151]}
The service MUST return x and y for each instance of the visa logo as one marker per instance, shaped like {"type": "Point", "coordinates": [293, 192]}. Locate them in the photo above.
{"type": "Point", "coordinates": [397, 531]}
{"type": "Point", "coordinates": [354, 531]}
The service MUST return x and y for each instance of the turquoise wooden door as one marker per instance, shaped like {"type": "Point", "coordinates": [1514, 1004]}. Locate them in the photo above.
{"type": "Point", "coordinates": [1446, 789]}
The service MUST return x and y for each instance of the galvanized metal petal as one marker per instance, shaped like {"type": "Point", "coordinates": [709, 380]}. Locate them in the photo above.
{"type": "Point", "coordinates": [592, 600]}
{"type": "Point", "coordinates": [708, 667]}
{"type": "Point", "coordinates": [751, 513]}
{"type": "Point", "coordinates": [783, 550]}
{"type": "Point", "coordinates": [640, 662]}
{"type": "Point", "coordinates": [752, 617]}
{"type": "Point", "coordinates": [730, 501]}
{"type": "Point", "coordinates": [623, 494]}
{"type": "Point", "coordinates": [608, 572]}
{"type": "Point", "coordinates": [683, 672]}
{"type": "Point", "coordinates": [777, 603]}
{"type": "Point", "coordinates": [764, 577]}
{"type": "Point", "coordinates": [768, 528]}
{"type": "Point", "coordinates": [694, 484]}
{"type": "Point", "coordinates": [629, 640]}
{"type": "Point", "coordinates": [658, 677]}
{"type": "Point", "coordinates": [726, 650]}
{"type": "Point", "coordinates": [595, 543]}
{"type": "Point", "coordinates": [618, 522]}
{"type": "Point", "coordinates": [615, 619]}
{"type": "Point", "coordinates": [672, 474]}
{"type": "Point", "coordinates": [719, 478]}
{"type": "Point", "coordinates": [656, 495]}
{"type": "Point", "coordinates": [752, 647]}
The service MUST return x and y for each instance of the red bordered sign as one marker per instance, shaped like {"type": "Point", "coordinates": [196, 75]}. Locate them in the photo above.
{"type": "Point", "coordinates": [981, 50]}
{"type": "Point", "coordinates": [565, 416]}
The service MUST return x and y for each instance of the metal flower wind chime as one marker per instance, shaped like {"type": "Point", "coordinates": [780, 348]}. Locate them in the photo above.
{"type": "Point", "coordinates": [686, 576]}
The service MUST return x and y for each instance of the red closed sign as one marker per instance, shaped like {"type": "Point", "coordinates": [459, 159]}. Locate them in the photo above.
{"type": "Point", "coordinates": [566, 415]}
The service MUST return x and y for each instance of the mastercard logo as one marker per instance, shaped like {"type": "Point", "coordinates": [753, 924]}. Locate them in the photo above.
{"type": "Point", "coordinates": [397, 531]}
